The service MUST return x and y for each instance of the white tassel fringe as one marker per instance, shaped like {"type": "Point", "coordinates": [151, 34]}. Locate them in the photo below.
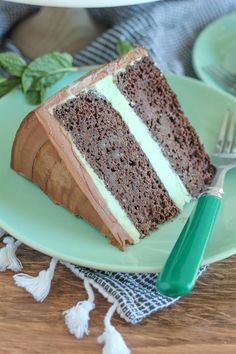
{"type": "Point", "coordinates": [2, 232]}
{"type": "Point", "coordinates": [77, 317]}
{"type": "Point", "coordinates": [39, 286]}
{"type": "Point", "coordinates": [111, 338]}
{"type": "Point", "coordinates": [8, 259]}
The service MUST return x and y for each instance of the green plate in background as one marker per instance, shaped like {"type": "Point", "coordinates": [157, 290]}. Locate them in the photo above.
{"type": "Point", "coordinates": [216, 45]}
{"type": "Point", "coordinates": [30, 216]}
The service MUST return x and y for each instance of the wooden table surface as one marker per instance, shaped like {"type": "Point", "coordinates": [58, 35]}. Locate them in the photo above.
{"type": "Point", "coordinates": [203, 322]}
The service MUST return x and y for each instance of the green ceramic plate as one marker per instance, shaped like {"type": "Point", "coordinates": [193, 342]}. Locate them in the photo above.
{"type": "Point", "coordinates": [216, 45]}
{"type": "Point", "coordinates": [30, 216]}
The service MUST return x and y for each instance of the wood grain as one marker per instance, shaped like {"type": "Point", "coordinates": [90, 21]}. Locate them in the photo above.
{"type": "Point", "coordinates": [56, 29]}
{"type": "Point", "coordinates": [203, 322]}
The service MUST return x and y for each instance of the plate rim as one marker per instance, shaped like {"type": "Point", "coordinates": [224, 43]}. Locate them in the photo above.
{"type": "Point", "coordinates": [122, 268]}
{"type": "Point", "coordinates": [216, 258]}
{"type": "Point", "coordinates": [83, 3]}
{"type": "Point", "coordinates": [204, 77]}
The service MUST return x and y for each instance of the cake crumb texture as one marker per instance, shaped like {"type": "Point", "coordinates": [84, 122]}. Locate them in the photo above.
{"type": "Point", "coordinates": [100, 134]}
{"type": "Point", "coordinates": [153, 100]}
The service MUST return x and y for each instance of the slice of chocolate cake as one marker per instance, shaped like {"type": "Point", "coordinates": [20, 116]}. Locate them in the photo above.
{"type": "Point", "coordinates": [118, 140]}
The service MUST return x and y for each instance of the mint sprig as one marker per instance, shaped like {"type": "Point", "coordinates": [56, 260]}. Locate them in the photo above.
{"type": "Point", "coordinates": [8, 85]}
{"type": "Point", "coordinates": [36, 77]}
{"type": "Point", "coordinates": [12, 63]}
{"type": "Point", "coordinates": [123, 47]}
{"type": "Point", "coordinates": [44, 72]}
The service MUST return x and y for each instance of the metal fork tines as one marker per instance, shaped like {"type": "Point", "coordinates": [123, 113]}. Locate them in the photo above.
{"type": "Point", "coordinates": [223, 77]}
{"type": "Point", "coordinates": [226, 140]}
{"type": "Point", "coordinates": [224, 156]}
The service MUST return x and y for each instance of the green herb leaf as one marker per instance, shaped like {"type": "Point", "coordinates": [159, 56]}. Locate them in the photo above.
{"type": "Point", "coordinates": [33, 97]}
{"type": "Point", "coordinates": [123, 47]}
{"type": "Point", "coordinates": [48, 68]}
{"type": "Point", "coordinates": [35, 77]}
{"type": "Point", "coordinates": [7, 85]}
{"type": "Point", "coordinates": [12, 63]}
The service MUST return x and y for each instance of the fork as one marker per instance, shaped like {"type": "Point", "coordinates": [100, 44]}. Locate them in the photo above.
{"type": "Point", "coordinates": [180, 271]}
{"type": "Point", "coordinates": [223, 77]}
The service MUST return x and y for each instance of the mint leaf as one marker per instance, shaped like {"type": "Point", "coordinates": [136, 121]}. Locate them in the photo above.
{"type": "Point", "coordinates": [50, 79]}
{"type": "Point", "coordinates": [33, 97]}
{"type": "Point", "coordinates": [35, 77]}
{"type": "Point", "coordinates": [12, 63]}
{"type": "Point", "coordinates": [48, 68]}
{"type": "Point", "coordinates": [7, 85]}
{"type": "Point", "coordinates": [123, 47]}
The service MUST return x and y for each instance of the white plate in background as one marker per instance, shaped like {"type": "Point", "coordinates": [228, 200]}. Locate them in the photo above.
{"type": "Point", "coordinates": [82, 3]}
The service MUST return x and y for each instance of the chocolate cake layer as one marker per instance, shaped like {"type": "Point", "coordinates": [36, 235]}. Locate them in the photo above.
{"type": "Point", "coordinates": [102, 137]}
{"type": "Point", "coordinates": [153, 100]}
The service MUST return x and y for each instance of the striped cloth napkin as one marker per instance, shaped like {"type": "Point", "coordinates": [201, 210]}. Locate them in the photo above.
{"type": "Point", "coordinates": [168, 30]}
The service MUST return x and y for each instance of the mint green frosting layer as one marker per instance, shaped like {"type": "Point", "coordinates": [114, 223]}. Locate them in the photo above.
{"type": "Point", "coordinates": [173, 184]}
{"type": "Point", "coordinates": [111, 202]}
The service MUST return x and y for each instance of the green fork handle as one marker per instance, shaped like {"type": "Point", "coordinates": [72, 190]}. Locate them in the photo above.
{"type": "Point", "coordinates": [180, 271]}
